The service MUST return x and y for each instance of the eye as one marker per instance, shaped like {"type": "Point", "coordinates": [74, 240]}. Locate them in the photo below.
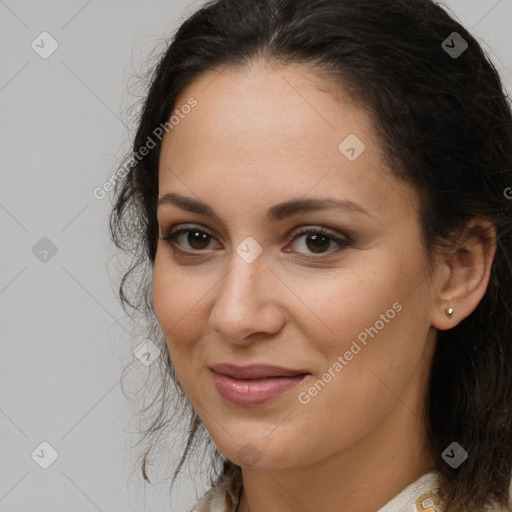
{"type": "Point", "coordinates": [197, 239]}
{"type": "Point", "coordinates": [317, 240]}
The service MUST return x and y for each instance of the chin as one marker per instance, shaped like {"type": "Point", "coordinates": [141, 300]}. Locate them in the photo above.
{"type": "Point", "coordinates": [270, 453]}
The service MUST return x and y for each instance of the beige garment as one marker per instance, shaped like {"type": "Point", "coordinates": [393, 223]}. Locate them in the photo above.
{"type": "Point", "coordinates": [419, 496]}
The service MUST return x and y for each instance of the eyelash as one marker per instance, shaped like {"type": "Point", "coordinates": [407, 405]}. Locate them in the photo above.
{"type": "Point", "coordinates": [169, 238]}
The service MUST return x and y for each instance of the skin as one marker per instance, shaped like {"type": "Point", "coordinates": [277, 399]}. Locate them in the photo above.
{"type": "Point", "coordinates": [259, 136]}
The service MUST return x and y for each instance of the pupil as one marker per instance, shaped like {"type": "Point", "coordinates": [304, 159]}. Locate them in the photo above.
{"type": "Point", "coordinates": [199, 238]}
{"type": "Point", "coordinates": [316, 239]}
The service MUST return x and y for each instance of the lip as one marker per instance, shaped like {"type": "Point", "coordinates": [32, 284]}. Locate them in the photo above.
{"type": "Point", "coordinates": [255, 371]}
{"type": "Point", "coordinates": [254, 384]}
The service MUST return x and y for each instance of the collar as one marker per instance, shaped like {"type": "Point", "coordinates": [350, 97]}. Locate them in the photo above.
{"type": "Point", "coordinates": [419, 496]}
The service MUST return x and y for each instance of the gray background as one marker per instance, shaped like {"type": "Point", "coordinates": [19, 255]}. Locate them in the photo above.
{"type": "Point", "coordinates": [64, 127]}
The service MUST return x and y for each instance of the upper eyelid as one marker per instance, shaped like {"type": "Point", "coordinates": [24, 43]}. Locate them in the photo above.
{"type": "Point", "coordinates": [179, 228]}
{"type": "Point", "coordinates": [185, 227]}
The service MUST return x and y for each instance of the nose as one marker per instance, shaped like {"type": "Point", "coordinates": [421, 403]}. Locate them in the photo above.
{"type": "Point", "coordinates": [246, 303]}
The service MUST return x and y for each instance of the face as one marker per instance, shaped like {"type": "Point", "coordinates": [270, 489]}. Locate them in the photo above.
{"type": "Point", "coordinates": [339, 294]}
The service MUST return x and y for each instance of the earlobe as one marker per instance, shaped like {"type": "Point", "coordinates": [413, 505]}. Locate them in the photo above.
{"type": "Point", "coordinates": [467, 274]}
{"type": "Point", "coordinates": [447, 319]}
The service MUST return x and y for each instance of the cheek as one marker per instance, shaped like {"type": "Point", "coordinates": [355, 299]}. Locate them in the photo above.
{"type": "Point", "coordinates": [377, 322]}
{"type": "Point", "coordinates": [375, 317]}
{"type": "Point", "coordinates": [171, 304]}
{"type": "Point", "coordinates": [174, 298]}
{"type": "Point", "coordinates": [340, 307]}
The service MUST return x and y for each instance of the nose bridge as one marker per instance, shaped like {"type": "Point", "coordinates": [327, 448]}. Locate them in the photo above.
{"type": "Point", "coordinates": [240, 287]}
{"type": "Point", "coordinates": [241, 299]}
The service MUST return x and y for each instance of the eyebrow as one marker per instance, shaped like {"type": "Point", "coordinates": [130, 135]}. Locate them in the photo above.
{"type": "Point", "coordinates": [275, 213]}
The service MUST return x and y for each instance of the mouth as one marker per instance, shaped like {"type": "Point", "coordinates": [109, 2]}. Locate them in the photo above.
{"type": "Point", "coordinates": [255, 384]}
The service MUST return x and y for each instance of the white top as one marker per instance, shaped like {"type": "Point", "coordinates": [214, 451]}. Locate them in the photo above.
{"type": "Point", "coordinates": [418, 496]}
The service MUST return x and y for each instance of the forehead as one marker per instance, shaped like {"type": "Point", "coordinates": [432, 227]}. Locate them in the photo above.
{"type": "Point", "coordinates": [271, 102]}
{"type": "Point", "coordinates": [273, 129]}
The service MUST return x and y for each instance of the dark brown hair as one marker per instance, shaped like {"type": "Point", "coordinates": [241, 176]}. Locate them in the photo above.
{"type": "Point", "coordinates": [445, 126]}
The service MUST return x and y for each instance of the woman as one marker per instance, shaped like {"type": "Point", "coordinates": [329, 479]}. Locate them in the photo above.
{"type": "Point", "coordinates": [319, 192]}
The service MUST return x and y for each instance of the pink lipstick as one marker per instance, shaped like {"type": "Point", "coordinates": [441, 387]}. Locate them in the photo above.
{"type": "Point", "coordinates": [254, 384]}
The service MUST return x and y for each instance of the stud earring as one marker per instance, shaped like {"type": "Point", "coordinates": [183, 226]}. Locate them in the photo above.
{"type": "Point", "coordinates": [449, 312]}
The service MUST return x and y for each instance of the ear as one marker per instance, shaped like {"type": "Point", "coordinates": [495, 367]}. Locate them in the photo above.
{"type": "Point", "coordinates": [465, 271]}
